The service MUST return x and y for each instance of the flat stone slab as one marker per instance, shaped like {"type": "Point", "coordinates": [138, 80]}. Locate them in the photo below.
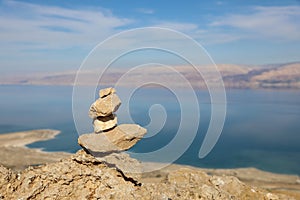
{"type": "Point", "coordinates": [121, 138]}
{"type": "Point", "coordinates": [103, 107]}
{"type": "Point", "coordinates": [104, 123]}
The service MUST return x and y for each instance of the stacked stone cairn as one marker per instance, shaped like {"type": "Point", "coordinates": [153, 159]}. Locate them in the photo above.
{"type": "Point", "coordinates": [108, 137]}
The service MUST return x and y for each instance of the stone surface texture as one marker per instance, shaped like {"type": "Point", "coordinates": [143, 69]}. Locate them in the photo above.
{"type": "Point", "coordinates": [121, 138]}
{"type": "Point", "coordinates": [104, 123]}
{"type": "Point", "coordinates": [83, 176]}
{"type": "Point", "coordinates": [107, 91]}
{"type": "Point", "coordinates": [129, 166]}
{"type": "Point", "coordinates": [103, 107]}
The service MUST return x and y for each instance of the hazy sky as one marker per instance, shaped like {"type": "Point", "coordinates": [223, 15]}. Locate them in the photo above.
{"type": "Point", "coordinates": [57, 35]}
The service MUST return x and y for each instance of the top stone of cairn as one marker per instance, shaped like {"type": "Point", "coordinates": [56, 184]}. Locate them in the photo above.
{"type": "Point", "coordinates": [106, 105]}
{"type": "Point", "coordinates": [107, 91]}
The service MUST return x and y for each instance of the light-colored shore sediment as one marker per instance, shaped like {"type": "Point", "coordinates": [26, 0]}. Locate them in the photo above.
{"type": "Point", "coordinates": [15, 155]}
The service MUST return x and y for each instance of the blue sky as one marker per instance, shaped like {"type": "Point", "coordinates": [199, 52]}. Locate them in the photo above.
{"type": "Point", "coordinates": [57, 35]}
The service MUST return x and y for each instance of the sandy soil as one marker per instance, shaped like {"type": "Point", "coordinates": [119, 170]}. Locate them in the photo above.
{"type": "Point", "coordinates": [15, 155]}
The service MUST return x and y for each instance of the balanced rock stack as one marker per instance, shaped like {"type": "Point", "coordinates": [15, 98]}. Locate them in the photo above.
{"type": "Point", "coordinates": [102, 110]}
{"type": "Point", "coordinates": [108, 137]}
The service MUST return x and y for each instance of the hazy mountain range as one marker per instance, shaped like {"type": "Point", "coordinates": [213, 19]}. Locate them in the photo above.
{"type": "Point", "coordinates": [234, 76]}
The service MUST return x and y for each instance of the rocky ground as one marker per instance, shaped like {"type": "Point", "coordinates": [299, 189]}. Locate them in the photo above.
{"type": "Point", "coordinates": [274, 183]}
{"type": "Point", "coordinates": [82, 176]}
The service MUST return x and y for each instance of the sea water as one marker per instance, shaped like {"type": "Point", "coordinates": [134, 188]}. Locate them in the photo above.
{"type": "Point", "coordinates": [261, 128]}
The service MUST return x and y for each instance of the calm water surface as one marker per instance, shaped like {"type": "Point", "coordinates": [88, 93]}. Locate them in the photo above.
{"type": "Point", "coordinates": [262, 127]}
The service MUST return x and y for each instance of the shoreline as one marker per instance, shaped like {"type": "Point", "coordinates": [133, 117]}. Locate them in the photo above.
{"type": "Point", "coordinates": [277, 88]}
{"type": "Point", "coordinates": [14, 154]}
{"type": "Point", "coordinates": [18, 141]}
{"type": "Point", "coordinates": [23, 138]}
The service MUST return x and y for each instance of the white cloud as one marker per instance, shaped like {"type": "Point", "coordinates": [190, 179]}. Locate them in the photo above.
{"type": "Point", "coordinates": [40, 26]}
{"type": "Point", "coordinates": [39, 35]}
{"type": "Point", "coordinates": [204, 36]}
{"type": "Point", "coordinates": [268, 22]}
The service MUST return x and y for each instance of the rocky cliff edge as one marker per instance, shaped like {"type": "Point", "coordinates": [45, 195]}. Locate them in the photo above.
{"type": "Point", "coordinates": [82, 176]}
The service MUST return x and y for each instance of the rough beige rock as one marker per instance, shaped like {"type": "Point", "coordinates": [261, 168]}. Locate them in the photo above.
{"type": "Point", "coordinates": [195, 184]}
{"type": "Point", "coordinates": [129, 166]}
{"type": "Point", "coordinates": [125, 136]}
{"type": "Point", "coordinates": [6, 176]}
{"type": "Point", "coordinates": [79, 177]}
{"type": "Point", "coordinates": [106, 91]}
{"type": "Point", "coordinates": [82, 176]}
{"type": "Point", "coordinates": [121, 138]}
{"type": "Point", "coordinates": [104, 123]}
{"type": "Point", "coordinates": [104, 106]}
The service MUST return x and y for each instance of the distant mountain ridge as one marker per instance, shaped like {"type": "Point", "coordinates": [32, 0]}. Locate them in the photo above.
{"type": "Point", "coordinates": [234, 76]}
